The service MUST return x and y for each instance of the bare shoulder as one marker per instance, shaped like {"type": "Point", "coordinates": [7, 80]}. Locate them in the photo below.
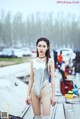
{"type": "Point", "coordinates": [33, 61]}
{"type": "Point", "coordinates": [51, 61]}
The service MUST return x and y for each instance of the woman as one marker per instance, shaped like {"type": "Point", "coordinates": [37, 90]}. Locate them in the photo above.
{"type": "Point", "coordinates": [39, 91]}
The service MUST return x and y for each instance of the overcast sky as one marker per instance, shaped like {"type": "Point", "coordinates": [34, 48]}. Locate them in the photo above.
{"type": "Point", "coordinates": [32, 6]}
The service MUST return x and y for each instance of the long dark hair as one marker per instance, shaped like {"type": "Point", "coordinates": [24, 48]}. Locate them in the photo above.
{"type": "Point", "coordinates": [48, 50]}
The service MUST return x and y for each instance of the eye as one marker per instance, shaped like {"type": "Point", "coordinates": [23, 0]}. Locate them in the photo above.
{"type": "Point", "coordinates": [39, 45]}
{"type": "Point", "coordinates": [44, 46]}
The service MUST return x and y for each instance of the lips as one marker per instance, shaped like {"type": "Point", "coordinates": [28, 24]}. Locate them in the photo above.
{"type": "Point", "coordinates": [41, 51]}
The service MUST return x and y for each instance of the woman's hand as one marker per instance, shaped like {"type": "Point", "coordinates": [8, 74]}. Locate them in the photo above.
{"type": "Point", "coordinates": [28, 100]}
{"type": "Point", "coordinates": [53, 101]}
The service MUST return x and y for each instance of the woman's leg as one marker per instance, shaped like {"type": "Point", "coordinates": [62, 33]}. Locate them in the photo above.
{"type": "Point", "coordinates": [45, 99]}
{"type": "Point", "coordinates": [35, 104]}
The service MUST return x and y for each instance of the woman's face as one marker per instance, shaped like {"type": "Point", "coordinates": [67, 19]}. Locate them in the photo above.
{"type": "Point", "coordinates": [42, 47]}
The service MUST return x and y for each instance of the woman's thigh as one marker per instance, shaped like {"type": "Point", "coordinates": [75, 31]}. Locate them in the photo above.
{"type": "Point", "coordinates": [35, 103]}
{"type": "Point", "coordinates": [45, 99]}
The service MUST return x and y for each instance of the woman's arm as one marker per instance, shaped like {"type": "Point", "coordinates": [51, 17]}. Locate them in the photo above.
{"type": "Point", "coordinates": [52, 78]}
{"type": "Point", "coordinates": [31, 80]}
{"type": "Point", "coordinates": [53, 101]}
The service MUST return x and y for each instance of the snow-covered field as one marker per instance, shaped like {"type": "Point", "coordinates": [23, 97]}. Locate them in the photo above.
{"type": "Point", "coordinates": [13, 94]}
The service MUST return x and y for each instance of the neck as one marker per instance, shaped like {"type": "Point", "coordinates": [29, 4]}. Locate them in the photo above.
{"type": "Point", "coordinates": [42, 57]}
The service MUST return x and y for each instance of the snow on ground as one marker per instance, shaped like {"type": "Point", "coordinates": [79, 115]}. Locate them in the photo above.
{"type": "Point", "coordinates": [13, 94]}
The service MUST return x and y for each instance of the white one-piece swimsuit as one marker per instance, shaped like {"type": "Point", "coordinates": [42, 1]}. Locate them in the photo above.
{"type": "Point", "coordinates": [41, 76]}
